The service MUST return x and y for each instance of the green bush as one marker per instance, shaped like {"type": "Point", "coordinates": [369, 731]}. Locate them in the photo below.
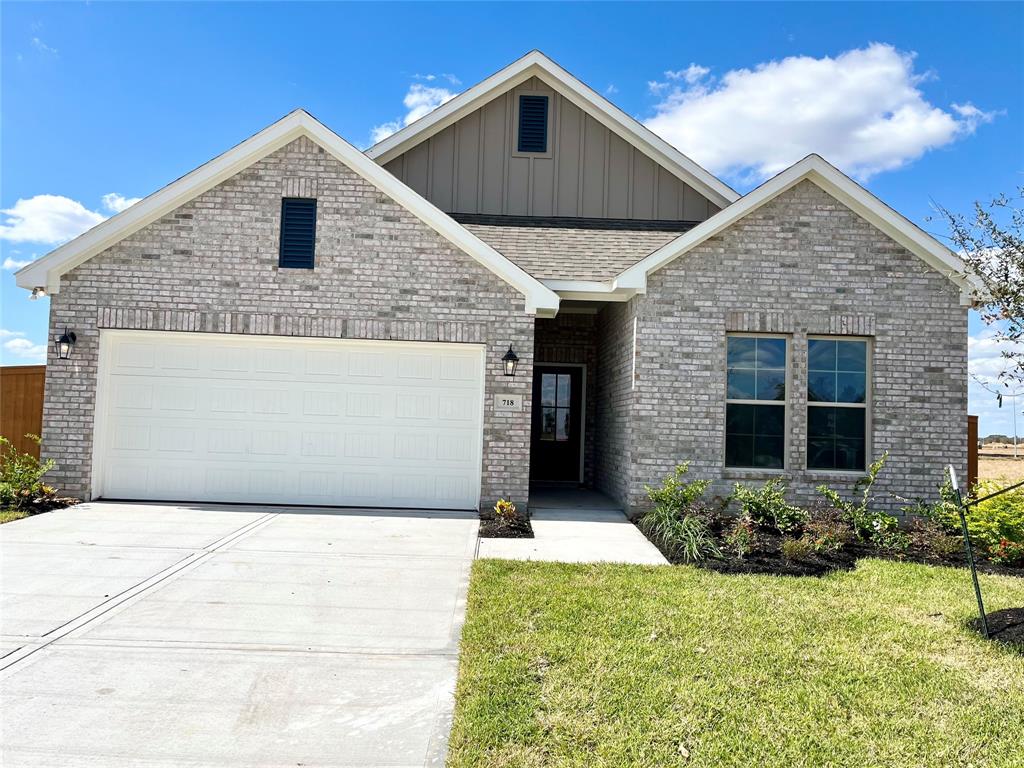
{"type": "Point", "coordinates": [869, 524]}
{"type": "Point", "coordinates": [935, 538]}
{"type": "Point", "coordinates": [996, 520]}
{"type": "Point", "coordinates": [740, 537]}
{"type": "Point", "coordinates": [679, 521]}
{"type": "Point", "coordinates": [827, 531]}
{"type": "Point", "coordinates": [797, 549]}
{"type": "Point", "coordinates": [21, 477]}
{"type": "Point", "coordinates": [684, 536]}
{"type": "Point", "coordinates": [768, 507]}
{"type": "Point", "coordinates": [677, 493]}
{"type": "Point", "coordinates": [942, 511]}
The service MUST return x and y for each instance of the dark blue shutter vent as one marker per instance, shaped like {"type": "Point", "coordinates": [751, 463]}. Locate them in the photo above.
{"type": "Point", "coordinates": [298, 232]}
{"type": "Point", "coordinates": [533, 123]}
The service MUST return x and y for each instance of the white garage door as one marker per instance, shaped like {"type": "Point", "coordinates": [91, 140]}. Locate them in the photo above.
{"type": "Point", "coordinates": [218, 417]}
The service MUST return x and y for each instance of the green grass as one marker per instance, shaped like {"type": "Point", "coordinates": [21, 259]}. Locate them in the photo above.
{"type": "Point", "coordinates": [10, 515]}
{"type": "Point", "coordinates": [608, 665]}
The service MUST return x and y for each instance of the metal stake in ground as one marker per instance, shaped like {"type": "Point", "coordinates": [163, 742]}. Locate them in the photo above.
{"type": "Point", "coordinates": [969, 550]}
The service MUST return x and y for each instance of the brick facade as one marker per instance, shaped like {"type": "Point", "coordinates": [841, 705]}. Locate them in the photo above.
{"type": "Point", "coordinates": [801, 264]}
{"type": "Point", "coordinates": [614, 446]}
{"type": "Point", "coordinates": [211, 266]}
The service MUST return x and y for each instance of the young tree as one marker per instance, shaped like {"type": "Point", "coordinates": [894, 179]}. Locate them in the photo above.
{"type": "Point", "coordinates": [991, 244]}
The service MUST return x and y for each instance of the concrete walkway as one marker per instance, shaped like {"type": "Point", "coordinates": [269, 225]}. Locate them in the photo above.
{"type": "Point", "coordinates": [576, 526]}
{"type": "Point", "coordinates": [162, 635]}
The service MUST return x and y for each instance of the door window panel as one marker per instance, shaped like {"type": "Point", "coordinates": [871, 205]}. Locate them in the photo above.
{"type": "Point", "coordinates": [556, 397]}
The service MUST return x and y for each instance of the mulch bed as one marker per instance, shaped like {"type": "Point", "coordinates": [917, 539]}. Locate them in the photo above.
{"type": "Point", "coordinates": [1005, 626]}
{"type": "Point", "coordinates": [503, 529]}
{"type": "Point", "coordinates": [768, 559]}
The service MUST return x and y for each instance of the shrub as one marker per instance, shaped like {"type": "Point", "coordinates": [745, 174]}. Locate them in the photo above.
{"type": "Point", "coordinates": [796, 549]}
{"type": "Point", "coordinates": [934, 538]}
{"type": "Point", "coordinates": [942, 511]}
{"type": "Point", "coordinates": [998, 518]}
{"type": "Point", "coordinates": [827, 531]}
{"type": "Point", "coordinates": [506, 511]}
{"type": "Point", "coordinates": [1007, 553]}
{"type": "Point", "coordinates": [21, 477]}
{"type": "Point", "coordinates": [740, 537]}
{"type": "Point", "coordinates": [768, 507]}
{"type": "Point", "coordinates": [867, 522]}
{"type": "Point", "coordinates": [676, 493]}
{"type": "Point", "coordinates": [890, 538]}
{"type": "Point", "coordinates": [684, 536]}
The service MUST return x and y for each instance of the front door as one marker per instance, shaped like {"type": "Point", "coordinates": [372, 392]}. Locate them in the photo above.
{"type": "Point", "coordinates": [557, 423]}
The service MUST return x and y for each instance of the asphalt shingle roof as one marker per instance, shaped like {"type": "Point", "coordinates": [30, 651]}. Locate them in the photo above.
{"type": "Point", "coordinates": [571, 248]}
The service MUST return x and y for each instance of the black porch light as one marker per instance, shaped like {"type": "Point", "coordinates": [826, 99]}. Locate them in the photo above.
{"type": "Point", "coordinates": [511, 360]}
{"type": "Point", "coordinates": [64, 344]}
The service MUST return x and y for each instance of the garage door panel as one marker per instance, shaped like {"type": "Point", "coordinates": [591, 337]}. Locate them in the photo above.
{"type": "Point", "coordinates": [293, 421]}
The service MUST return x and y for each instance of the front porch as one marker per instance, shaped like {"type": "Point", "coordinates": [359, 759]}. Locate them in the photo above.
{"type": "Point", "coordinates": [580, 410]}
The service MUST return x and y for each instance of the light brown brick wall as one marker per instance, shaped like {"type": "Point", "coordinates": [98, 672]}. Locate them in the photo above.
{"type": "Point", "coordinates": [801, 264]}
{"type": "Point", "coordinates": [613, 438]}
{"type": "Point", "coordinates": [211, 266]}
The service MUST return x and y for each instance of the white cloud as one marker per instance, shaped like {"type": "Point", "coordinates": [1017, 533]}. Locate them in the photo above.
{"type": "Point", "coordinates": [611, 90]}
{"type": "Point", "coordinates": [55, 219]}
{"type": "Point", "coordinates": [862, 110]}
{"type": "Point", "coordinates": [48, 219]}
{"type": "Point", "coordinates": [419, 100]}
{"type": "Point", "coordinates": [16, 345]}
{"type": "Point", "coordinates": [443, 76]}
{"type": "Point", "coordinates": [42, 47]}
{"type": "Point", "coordinates": [14, 264]}
{"type": "Point", "coordinates": [116, 203]}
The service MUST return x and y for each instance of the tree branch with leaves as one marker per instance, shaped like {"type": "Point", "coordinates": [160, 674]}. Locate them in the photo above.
{"type": "Point", "coordinates": [990, 242]}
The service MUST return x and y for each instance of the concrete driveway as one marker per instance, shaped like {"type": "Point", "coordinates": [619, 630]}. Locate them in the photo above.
{"type": "Point", "coordinates": [210, 635]}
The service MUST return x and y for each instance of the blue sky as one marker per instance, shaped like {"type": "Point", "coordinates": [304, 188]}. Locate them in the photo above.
{"type": "Point", "coordinates": [106, 102]}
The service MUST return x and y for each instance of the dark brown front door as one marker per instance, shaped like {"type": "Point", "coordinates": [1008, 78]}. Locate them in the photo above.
{"type": "Point", "coordinates": [557, 422]}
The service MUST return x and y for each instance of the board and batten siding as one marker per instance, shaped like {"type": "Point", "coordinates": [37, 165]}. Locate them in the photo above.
{"type": "Point", "coordinates": [472, 167]}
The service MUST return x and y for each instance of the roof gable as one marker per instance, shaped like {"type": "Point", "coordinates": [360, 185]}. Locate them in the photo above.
{"type": "Point", "coordinates": [818, 171]}
{"type": "Point", "coordinates": [46, 271]}
{"type": "Point", "coordinates": [536, 64]}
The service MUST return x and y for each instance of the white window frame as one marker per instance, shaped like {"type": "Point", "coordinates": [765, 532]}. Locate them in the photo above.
{"type": "Point", "coordinates": [787, 426]}
{"type": "Point", "coordinates": [866, 405]}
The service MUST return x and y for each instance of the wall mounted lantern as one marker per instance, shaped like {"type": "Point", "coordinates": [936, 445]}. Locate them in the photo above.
{"type": "Point", "coordinates": [64, 344]}
{"type": "Point", "coordinates": [511, 360]}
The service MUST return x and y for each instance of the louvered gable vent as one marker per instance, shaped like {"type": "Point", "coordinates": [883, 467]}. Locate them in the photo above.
{"type": "Point", "coordinates": [533, 123]}
{"type": "Point", "coordinates": [298, 232]}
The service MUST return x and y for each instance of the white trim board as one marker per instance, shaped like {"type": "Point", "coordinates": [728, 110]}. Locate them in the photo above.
{"type": "Point", "coordinates": [46, 272]}
{"type": "Point", "coordinates": [817, 170]}
{"type": "Point", "coordinates": [536, 64]}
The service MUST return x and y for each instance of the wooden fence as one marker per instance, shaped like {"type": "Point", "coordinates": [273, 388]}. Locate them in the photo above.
{"type": "Point", "coordinates": [21, 404]}
{"type": "Point", "coordinates": [972, 451]}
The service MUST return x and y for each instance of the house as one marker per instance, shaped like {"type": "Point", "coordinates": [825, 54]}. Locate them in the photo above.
{"type": "Point", "coordinates": [524, 286]}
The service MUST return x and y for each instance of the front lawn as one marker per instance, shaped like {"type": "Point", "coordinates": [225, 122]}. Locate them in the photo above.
{"type": "Point", "coordinates": [614, 665]}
